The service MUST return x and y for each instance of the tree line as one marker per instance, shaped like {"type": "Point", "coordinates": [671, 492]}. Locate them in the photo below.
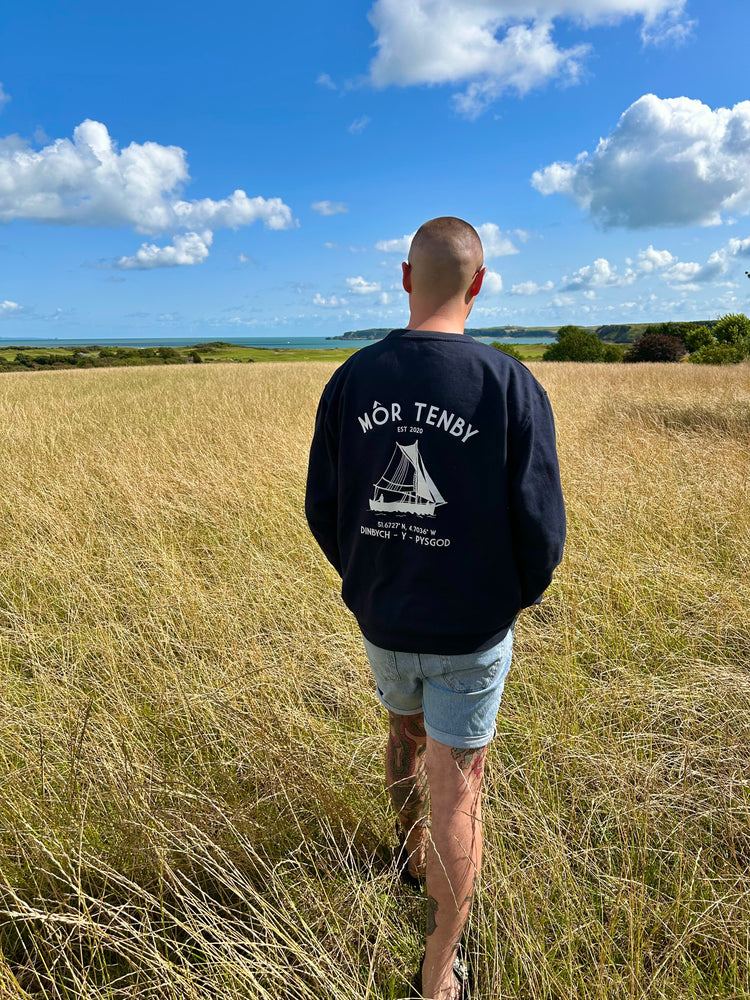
{"type": "Point", "coordinates": [97, 356]}
{"type": "Point", "coordinates": [727, 341]}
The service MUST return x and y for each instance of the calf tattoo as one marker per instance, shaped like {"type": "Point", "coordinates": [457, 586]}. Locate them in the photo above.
{"type": "Point", "coordinates": [432, 908]}
{"type": "Point", "coordinates": [467, 902]}
{"type": "Point", "coordinates": [405, 769]}
{"type": "Point", "coordinates": [470, 759]}
{"type": "Point", "coordinates": [470, 896]}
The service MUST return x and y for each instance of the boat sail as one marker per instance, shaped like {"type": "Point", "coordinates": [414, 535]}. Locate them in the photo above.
{"type": "Point", "coordinates": [406, 487]}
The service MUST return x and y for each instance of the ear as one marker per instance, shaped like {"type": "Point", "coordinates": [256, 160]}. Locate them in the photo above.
{"type": "Point", "coordinates": [406, 276]}
{"type": "Point", "coordinates": [476, 284]}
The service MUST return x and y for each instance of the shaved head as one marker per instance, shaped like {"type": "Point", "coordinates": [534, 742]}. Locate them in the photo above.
{"type": "Point", "coordinates": [444, 257]}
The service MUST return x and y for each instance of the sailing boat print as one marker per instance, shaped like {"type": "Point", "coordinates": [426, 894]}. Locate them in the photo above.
{"type": "Point", "coordinates": [406, 487]}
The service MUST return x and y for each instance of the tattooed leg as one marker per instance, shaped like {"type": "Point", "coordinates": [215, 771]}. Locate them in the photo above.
{"type": "Point", "coordinates": [453, 860]}
{"type": "Point", "coordinates": [470, 760]}
{"type": "Point", "coordinates": [406, 782]}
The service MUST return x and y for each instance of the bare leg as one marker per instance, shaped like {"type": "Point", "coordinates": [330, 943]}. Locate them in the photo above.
{"type": "Point", "coordinates": [407, 783]}
{"type": "Point", "coordinates": [453, 860]}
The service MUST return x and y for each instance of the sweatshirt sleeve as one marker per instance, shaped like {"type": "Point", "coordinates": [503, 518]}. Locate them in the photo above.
{"type": "Point", "coordinates": [537, 510]}
{"type": "Point", "coordinates": [321, 496]}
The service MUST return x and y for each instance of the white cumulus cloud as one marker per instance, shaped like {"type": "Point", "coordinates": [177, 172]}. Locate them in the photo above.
{"type": "Point", "coordinates": [494, 45]}
{"type": "Point", "coordinates": [682, 270]}
{"type": "Point", "coordinates": [650, 260]}
{"type": "Point", "coordinates": [739, 248]}
{"type": "Point", "coordinates": [600, 274]}
{"type": "Point", "coordinates": [187, 248]}
{"type": "Point", "coordinates": [359, 286]}
{"type": "Point", "coordinates": [329, 207]}
{"type": "Point", "coordinates": [495, 242]}
{"type": "Point", "coordinates": [716, 266]}
{"type": "Point", "coordinates": [324, 80]}
{"type": "Point", "coordinates": [89, 181]}
{"type": "Point", "coordinates": [330, 302]}
{"type": "Point", "coordinates": [670, 162]}
{"type": "Point", "coordinates": [232, 212]}
{"type": "Point", "coordinates": [493, 283]}
{"type": "Point", "coordinates": [400, 244]}
{"type": "Point", "coordinates": [670, 25]}
{"type": "Point", "coordinates": [8, 308]}
{"type": "Point", "coordinates": [4, 97]}
{"type": "Point", "coordinates": [530, 288]}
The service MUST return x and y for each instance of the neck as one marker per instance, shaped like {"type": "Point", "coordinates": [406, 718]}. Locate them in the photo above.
{"type": "Point", "coordinates": [445, 319]}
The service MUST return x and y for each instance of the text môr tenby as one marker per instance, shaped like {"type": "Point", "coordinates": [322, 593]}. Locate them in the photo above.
{"type": "Point", "coordinates": [424, 413]}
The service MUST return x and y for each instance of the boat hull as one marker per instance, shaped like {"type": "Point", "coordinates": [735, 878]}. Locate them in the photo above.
{"type": "Point", "coordinates": [402, 507]}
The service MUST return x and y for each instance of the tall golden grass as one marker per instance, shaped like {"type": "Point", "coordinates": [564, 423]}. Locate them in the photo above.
{"type": "Point", "coordinates": [192, 802]}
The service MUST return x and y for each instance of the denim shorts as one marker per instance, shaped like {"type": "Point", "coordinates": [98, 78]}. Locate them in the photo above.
{"type": "Point", "coordinates": [459, 694]}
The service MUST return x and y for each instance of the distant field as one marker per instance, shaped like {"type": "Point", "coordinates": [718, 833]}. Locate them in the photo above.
{"type": "Point", "coordinates": [238, 353]}
{"type": "Point", "coordinates": [275, 354]}
{"type": "Point", "coordinates": [528, 351]}
{"type": "Point", "coordinates": [192, 804]}
{"type": "Point", "coordinates": [229, 353]}
{"type": "Point", "coordinates": [531, 352]}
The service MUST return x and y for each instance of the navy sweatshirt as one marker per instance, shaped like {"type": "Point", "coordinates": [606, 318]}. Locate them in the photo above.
{"type": "Point", "coordinates": [434, 490]}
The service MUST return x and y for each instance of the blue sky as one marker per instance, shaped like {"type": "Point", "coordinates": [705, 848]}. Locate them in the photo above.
{"type": "Point", "coordinates": [243, 169]}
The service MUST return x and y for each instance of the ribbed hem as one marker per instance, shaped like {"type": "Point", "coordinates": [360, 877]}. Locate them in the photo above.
{"type": "Point", "coordinates": [449, 645]}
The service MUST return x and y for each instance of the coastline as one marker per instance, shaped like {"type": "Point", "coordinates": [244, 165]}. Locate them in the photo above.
{"type": "Point", "coordinates": [258, 343]}
{"type": "Point", "coordinates": [53, 356]}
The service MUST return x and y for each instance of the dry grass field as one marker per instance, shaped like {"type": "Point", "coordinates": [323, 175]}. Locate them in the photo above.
{"type": "Point", "coordinates": [191, 800]}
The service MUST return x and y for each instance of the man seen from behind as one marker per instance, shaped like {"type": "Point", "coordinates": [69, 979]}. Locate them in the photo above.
{"type": "Point", "coordinates": [433, 488]}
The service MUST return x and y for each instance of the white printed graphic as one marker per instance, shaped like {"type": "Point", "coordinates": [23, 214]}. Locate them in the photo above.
{"type": "Point", "coordinates": [406, 487]}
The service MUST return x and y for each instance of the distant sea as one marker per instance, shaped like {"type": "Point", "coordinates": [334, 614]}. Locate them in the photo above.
{"type": "Point", "coordinates": [310, 343]}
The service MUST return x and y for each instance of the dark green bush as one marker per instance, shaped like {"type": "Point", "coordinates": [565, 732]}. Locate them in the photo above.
{"type": "Point", "coordinates": [507, 349]}
{"type": "Point", "coordinates": [612, 352]}
{"type": "Point", "coordinates": [697, 338]}
{"type": "Point", "coordinates": [727, 343]}
{"type": "Point", "coordinates": [718, 354]}
{"type": "Point", "coordinates": [656, 347]}
{"type": "Point", "coordinates": [575, 344]}
{"type": "Point", "coordinates": [734, 328]}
